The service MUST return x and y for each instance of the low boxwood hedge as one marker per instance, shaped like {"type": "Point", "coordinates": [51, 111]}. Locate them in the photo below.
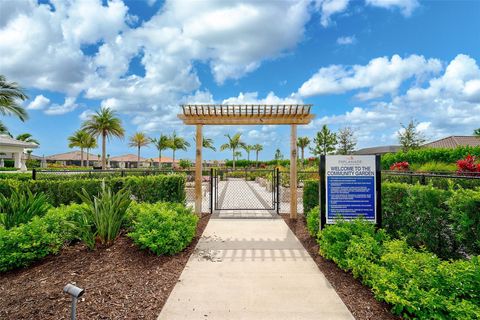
{"type": "Point", "coordinates": [163, 228]}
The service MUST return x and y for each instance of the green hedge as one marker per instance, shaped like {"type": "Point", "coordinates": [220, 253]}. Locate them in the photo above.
{"type": "Point", "coordinates": [169, 188]}
{"type": "Point", "coordinates": [417, 284]}
{"type": "Point", "coordinates": [313, 221]}
{"type": "Point", "coordinates": [446, 222]}
{"type": "Point", "coordinates": [21, 245]}
{"type": "Point", "coordinates": [163, 228]}
{"type": "Point", "coordinates": [422, 156]}
{"type": "Point", "coordinates": [310, 195]}
{"type": "Point", "coordinates": [438, 182]}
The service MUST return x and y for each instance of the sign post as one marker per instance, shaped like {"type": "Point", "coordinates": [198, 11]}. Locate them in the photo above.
{"type": "Point", "coordinates": [350, 187]}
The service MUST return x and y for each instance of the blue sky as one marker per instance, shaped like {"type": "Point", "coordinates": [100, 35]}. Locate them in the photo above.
{"type": "Point", "coordinates": [369, 65]}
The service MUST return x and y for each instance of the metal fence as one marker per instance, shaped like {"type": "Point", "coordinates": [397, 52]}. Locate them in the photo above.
{"type": "Point", "coordinates": [443, 180]}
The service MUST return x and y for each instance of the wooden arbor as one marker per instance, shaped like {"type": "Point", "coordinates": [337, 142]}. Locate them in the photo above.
{"type": "Point", "coordinates": [251, 114]}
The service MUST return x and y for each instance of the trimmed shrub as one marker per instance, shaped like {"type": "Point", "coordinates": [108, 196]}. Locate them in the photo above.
{"type": "Point", "coordinates": [313, 221]}
{"type": "Point", "coordinates": [465, 214]}
{"type": "Point", "coordinates": [417, 284]}
{"type": "Point", "coordinates": [163, 228]}
{"type": "Point", "coordinates": [310, 195]}
{"type": "Point", "coordinates": [421, 215]}
{"type": "Point", "coordinates": [424, 155]}
{"type": "Point", "coordinates": [146, 188]}
{"type": "Point", "coordinates": [21, 245]}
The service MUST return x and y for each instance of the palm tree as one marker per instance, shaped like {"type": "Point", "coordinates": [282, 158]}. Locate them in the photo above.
{"type": "Point", "coordinates": [207, 143]}
{"type": "Point", "coordinates": [78, 140]}
{"type": "Point", "coordinates": [162, 143]}
{"type": "Point", "coordinates": [233, 144]}
{"type": "Point", "coordinates": [257, 148]}
{"type": "Point", "coordinates": [177, 143]}
{"type": "Point", "coordinates": [4, 129]}
{"type": "Point", "coordinates": [106, 124]}
{"type": "Point", "coordinates": [302, 143]}
{"type": "Point", "coordinates": [27, 137]}
{"type": "Point", "coordinates": [476, 132]}
{"type": "Point", "coordinates": [10, 93]}
{"type": "Point", "coordinates": [139, 140]}
{"type": "Point", "coordinates": [248, 148]}
{"type": "Point", "coordinates": [90, 143]}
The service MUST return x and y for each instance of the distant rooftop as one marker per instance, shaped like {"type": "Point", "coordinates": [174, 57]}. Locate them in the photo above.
{"type": "Point", "coordinates": [378, 150]}
{"type": "Point", "coordinates": [71, 156]}
{"type": "Point", "coordinates": [127, 158]}
{"type": "Point", "coordinates": [454, 141]}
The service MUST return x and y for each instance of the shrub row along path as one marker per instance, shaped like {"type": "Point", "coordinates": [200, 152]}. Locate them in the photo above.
{"type": "Point", "coordinates": [252, 269]}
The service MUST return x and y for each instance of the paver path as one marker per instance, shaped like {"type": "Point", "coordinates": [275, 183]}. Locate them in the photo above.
{"type": "Point", "coordinates": [252, 269]}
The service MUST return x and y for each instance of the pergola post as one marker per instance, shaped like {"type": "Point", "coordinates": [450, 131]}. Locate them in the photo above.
{"type": "Point", "coordinates": [198, 170]}
{"type": "Point", "coordinates": [293, 172]}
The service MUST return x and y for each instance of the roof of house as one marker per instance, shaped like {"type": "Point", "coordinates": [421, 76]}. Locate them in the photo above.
{"type": "Point", "coordinates": [377, 150]}
{"type": "Point", "coordinates": [164, 160]}
{"type": "Point", "coordinates": [454, 141]}
{"type": "Point", "coordinates": [127, 158]}
{"type": "Point", "coordinates": [7, 141]}
{"type": "Point", "coordinates": [71, 156]}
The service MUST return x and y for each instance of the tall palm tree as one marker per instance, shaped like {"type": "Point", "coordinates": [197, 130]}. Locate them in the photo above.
{"type": "Point", "coordinates": [177, 143]}
{"type": "Point", "coordinates": [162, 143]}
{"type": "Point", "coordinates": [10, 93]}
{"type": "Point", "coordinates": [106, 124]}
{"type": "Point", "coordinates": [77, 140]}
{"type": "Point", "coordinates": [248, 148]}
{"type": "Point", "coordinates": [90, 143]}
{"type": "Point", "coordinates": [234, 143]}
{"type": "Point", "coordinates": [27, 137]}
{"type": "Point", "coordinates": [139, 140]}
{"type": "Point", "coordinates": [257, 148]}
{"type": "Point", "coordinates": [302, 143]}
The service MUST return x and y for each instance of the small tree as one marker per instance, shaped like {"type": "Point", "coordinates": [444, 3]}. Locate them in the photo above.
{"type": "Point", "coordinates": [278, 155]}
{"type": "Point", "coordinates": [346, 141]}
{"type": "Point", "coordinates": [324, 141]}
{"type": "Point", "coordinates": [177, 143]}
{"type": "Point", "coordinates": [257, 148]}
{"type": "Point", "coordinates": [248, 148]}
{"type": "Point", "coordinates": [139, 140]}
{"type": "Point", "coordinates": [185, 163]}
{"type": "Point", "coordinates": [161, 143]}
{"type": "Point", "coordinates": [234, 143]}
{"type": "Point", "coordinates": [302, 143]}
{"type": "Point", "coordinates": [409, 137]}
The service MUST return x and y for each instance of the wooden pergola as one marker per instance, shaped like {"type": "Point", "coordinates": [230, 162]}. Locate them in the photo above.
{"type": "Point", "coordinates": [247, 114]}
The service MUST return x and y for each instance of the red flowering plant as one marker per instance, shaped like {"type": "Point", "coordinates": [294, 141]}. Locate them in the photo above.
{"type": "Point", "coordinates": [400, 166]}
{"type": "Point", "coordinates": [468, 165]}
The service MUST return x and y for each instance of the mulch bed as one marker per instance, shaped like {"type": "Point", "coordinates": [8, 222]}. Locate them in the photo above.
{"type": "Point", "coordinates": [120, 282]}
{"type": "Point", "coordinates": [358, 298]}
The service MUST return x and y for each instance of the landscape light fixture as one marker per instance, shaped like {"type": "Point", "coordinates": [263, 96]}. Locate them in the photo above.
{"type": "Point", "coordinates": [76, 293]}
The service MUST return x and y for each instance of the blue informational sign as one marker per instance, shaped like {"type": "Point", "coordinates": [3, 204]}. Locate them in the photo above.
{"type": "Point", "coordinates": [350, 187]}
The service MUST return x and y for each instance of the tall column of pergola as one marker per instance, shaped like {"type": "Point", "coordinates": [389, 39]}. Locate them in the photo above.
{"type": "Point", "coordinates": [284, 114]}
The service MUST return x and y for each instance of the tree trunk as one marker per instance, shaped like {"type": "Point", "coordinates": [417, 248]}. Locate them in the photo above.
{"type": "Point", "coordinates": [173, 163]}
{"type": "Point", "coordinates": [138, 158]}
{"type": "Point", "coordinates": [88, 150]}
{"type": "Point", "coordinates": [248, 156]}
{"type": "Point", "coordinates": [233, 158]}
{"type": "Point", "coordinates": [257, 158]}
{"type": "Point", "coordinates": [81, 157]}
{"type": "Point", "coordinates": [303, 159]}
{"type": "Point", "coordinates": [104, 151]}
{"type": "Point", "coordinates": [160, 159]}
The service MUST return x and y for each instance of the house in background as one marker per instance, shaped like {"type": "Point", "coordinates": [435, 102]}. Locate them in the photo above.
{"type": "Point", "coordinates": [15, 148]}
{"type": "Point", "coordinates": [73, 158]}
{"type": "Point", "coordinates": [127, 161]}
{"type": "Point", "coordinates": [454, 141]}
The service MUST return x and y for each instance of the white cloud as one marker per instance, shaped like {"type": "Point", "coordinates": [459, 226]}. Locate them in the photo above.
{"type": "Point", "coordinates": [328, 8]}
{"type": "Point", "coordinates": [380, 76]}
{"type": "Point", "coordinates": [448, 104]}
{"type": "Point", "coordinates": [58, 109]}
{"type": "Point", "coordinates": [85, 115]}
{"type": "Point", "coordinates": [346, 40]}
{"type": "Point", "coordinates": [40, 102]}
{"type": "Point", "coordinates": [405, 6]}
{"type": "Point", "coordinates": [252, 98]}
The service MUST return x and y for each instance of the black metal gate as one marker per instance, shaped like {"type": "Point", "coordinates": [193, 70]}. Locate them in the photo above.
{"type": "Point", "coordinates": [244, 189]}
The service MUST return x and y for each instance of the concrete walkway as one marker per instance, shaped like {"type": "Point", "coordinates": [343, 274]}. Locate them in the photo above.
{"type": "Point", "coordinates": [252, 269]}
